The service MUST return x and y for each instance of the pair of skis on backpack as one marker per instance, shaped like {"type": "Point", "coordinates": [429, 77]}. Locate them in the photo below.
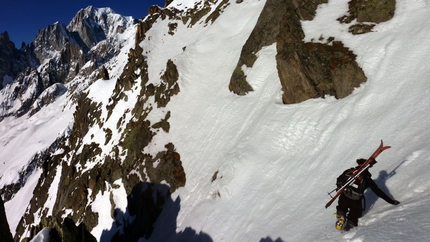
{"type": "Point", "coordinates": [342, 223]}
{"type": "Point", "coordinates": [357, 173]}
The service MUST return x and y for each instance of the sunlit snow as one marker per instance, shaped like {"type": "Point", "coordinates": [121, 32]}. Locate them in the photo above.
{"type": "Point", "coordinates": [275, 163]}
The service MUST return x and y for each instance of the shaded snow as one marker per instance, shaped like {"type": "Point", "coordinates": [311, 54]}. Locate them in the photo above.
{"type": "Point", "coordinates": [42, 236]}
{"type": "Point", "coordinates": [19, 203]}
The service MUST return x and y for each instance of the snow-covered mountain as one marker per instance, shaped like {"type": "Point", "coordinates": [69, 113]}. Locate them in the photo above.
{"type": "Point", "coordinates": [60, 55]}
{"type": "Point", "coordinates": [222, 120]}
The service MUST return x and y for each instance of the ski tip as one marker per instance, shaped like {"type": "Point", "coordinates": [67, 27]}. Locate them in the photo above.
{"type": "Point", "coordinates": [384, 147]}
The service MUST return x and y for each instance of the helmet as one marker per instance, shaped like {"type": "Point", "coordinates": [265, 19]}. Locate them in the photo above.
{"type": "Point", "coordinates": [361, 161]}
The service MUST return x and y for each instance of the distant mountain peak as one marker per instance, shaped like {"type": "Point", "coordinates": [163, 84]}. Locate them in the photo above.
{"type": "Point", "coordinates": [59, 53]}
{"type": "Point", "coordinates": [93, 11]}
{"type": "Point", "coordinates": [96, 24]}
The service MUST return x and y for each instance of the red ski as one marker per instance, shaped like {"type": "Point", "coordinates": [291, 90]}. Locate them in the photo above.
{"type": "Point", "coordinates": [364, 167]}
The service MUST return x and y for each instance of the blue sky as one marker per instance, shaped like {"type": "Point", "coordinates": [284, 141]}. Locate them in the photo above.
{"type": "Point", "coordinates": [23, 18]}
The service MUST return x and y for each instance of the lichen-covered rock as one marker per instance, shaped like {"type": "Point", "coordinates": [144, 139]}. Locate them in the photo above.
{"type": "Point", "coordinates": [103, 73]}
{"type": "Point", "coordinates": [217, 12]}
{"type": "Point", "coordinates": [169, 86]}
{"type": "Point", "coordinates": [367, 13]}
{"type": "Point", "coordinates": [154, 9]}
{"type": "Point", "coordinates": [201, 9]}
{"type": "Point", "coordinates": [136, 64]}
{"type": "Point", "coordinates": [306, 9]}
{"type": "Point", "coordinates": [87, 113]}
{"type": "Point", "coordinates": [306, 70]}
{"type": "Point", "coordinates": [311, 70]}
{"type": "Point", "coordinates": [361, 28]}
{"type": "Point", "coordinates": [155, 12]}
{"type": "Point", "coordinates": [376, 11]}
{"type": "Point", "coordinates": [166, 166]}
{"type": "Point", "coordinates": [62, 231]}
{"type": "Point", "coordinates": [265, 33]}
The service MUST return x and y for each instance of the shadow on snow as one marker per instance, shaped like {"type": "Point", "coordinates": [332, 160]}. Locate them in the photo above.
{"type": "Point", "coordinates": [150, 216]}
{"type": "Point", "coordinates": [268, 239]}
{"type": "Point", "coordinates": [381, 180]}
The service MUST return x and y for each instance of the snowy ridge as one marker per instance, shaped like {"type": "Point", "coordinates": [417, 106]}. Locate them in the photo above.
{"type": "Point", "coordinates": [182, 5]}
{"type": "Point", "coordinates": [30, 135]}
{"type": "Point", "coordinates": [259, 170]}
{"type": "Point", "coordinates": [105, 18]}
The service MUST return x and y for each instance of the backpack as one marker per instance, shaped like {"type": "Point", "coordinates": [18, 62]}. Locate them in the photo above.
{"type": "Point", "coordinates": [355, 190]}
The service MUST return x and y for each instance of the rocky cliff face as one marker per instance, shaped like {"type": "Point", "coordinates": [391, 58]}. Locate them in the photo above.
{"type": "Point", "coordinates": [311, 70]}
{"type": "Point", "coordinates": [367, 14]}
{"type": "Point", "coordinates": [7, 53]}
{"type": "Point", "coordinates": [50, 40]}
{"type": "Point", "coordinates": [91, 25]}
{"type": "Point", "coordinates": [264, 34]}
{"type": "Point", "coordinates": [36, 75]}
{"type": "Point", "coordinates": [12, 60]}
{"type": "Point", "coordinates": [125, 161]}
{"type": "Point", "coordinates": [308, 70]}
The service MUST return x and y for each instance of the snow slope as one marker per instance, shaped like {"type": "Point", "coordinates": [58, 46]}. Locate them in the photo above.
{"type": "Point", "coordinates": [275, 163]}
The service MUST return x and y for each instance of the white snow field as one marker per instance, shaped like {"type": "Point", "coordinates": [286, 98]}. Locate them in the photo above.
{"type": "Point", "coordinates": [275, 163]}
